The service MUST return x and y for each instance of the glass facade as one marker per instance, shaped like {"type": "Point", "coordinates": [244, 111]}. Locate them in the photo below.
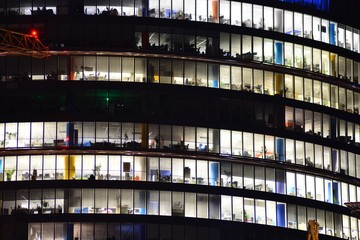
{"type": "Point", "coordinates": [339, 95]}
{"type": "Point", "coordinates": [175, 138]}
{"type": "Point", "coordinates": [177, 170]}
{"type": "Point", "coordinates": [192, 119]}
{"type": "Point", "coordinates": [183, 204]}
{"type": "Point", "coordinates": [219, 11]}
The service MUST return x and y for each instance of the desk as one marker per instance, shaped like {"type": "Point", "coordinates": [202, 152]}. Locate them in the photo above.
{"type": "Point", "coordinates": [201, 181]}
{"type": "Point", "coordinates": [105, 210]}
{"type": "Point", "coordinates": [165, 175]}
{"type": "Point", "coordinates": [179, 146]}
{"type": "Point", "coordinates": [226, 216]}
{"type": "Point", "coordinates": [268, 59]}
{"type": "Point", "coordinates": [59, 176]}
{"type": "Point", "coordinates": [59, 142]}
{"type": "Point", "coordinates": [199, 82]}
{"type": "Point", "coordinates": [42, 12]}
{"type": "Point", "coordinates": [235, 86]}
{"type": "Point", "coordinates": [247, 23]}
{"type": "Point", "coordinates": [292, 224]}
{"type": "Point", "coordinates": [347, 45]}
{"type": "Point", "coordinates": [202, 148]}
{"type": "Point", "coordinates": [247, 87]}
{"type": "Point", "coordinates": [104, 144]}
{"type": "Point", "coordinates": [202, 19]}
{"type": "Point", "coordinates": [188, 16]}
{"type": "Point", "coordinates": [308, 34]}
{"type": "Point", "coordinates": [110, 12]}
{"type": "Point", "coordinates": [132, 144]}
{"type": "Point", "coordinates": [307, 67]}
{"type": "Point", "coordinates": [136, 211]}
{"type": "Point", "coordinates": [178, 15]}
{"type": "Point", "coordinates": [258, 187]}
{"type": "Point", "coordinates": [308, 162]}
{"type": "Point", "coordinates": [248, 55]}
{"type": "Point", "coordinates": [211, 19]}
{"type": "Point", "coordinates": [153, 12]}
{"type": "Point", "coordinates": [316, 68]}
{"type": "Point", "coordinates": [20, 211]}
{"type": "Point", "coordinates": [25, 176]}
{"type": "Point", "coordinates": [258, 89]}
{"type": "Point", "coordinates": [224, 20]}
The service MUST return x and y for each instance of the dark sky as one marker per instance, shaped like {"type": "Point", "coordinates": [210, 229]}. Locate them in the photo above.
{"type": "Point", "coordinates": [349, 10]}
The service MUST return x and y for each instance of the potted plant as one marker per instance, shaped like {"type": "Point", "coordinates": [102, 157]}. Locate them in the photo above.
{"type": "Point", "coordinates": [10, 135]}
{"type": "Point", "coordinates": [9, 173]}
{"type": "Point", "coordinates": [45, 204]}
{"type": "Point", "coordinates": [34, 175]}
{"type": "Point", "coordinates": [246, 216]}
{"type": "Point", "coordinates": [228, 177]}
{"type": "Point", "coordinates": [178, 209]}
{"type": "Point", "coordinates": [97, 170]}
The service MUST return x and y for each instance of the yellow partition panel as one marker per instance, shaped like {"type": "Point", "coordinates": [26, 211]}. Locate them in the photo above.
{"type": "Point", "coordinates": [332, 65]}
{"type": "Point", "coordinates": [279, 82]}
{"type": "Point", "coordinates": [69, 164]}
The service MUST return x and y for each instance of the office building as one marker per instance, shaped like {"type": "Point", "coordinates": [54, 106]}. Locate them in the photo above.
{"type": "Point", "coordinates": [188, 119]}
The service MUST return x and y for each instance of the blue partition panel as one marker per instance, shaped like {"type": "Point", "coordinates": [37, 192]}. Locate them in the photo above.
{"type": "Point", "coordinates": [213, 173]}
{"type": "Point", "coordinates": [329, 191]}
{"type": "Point", "coordinates": [144, 9]}
{"type": "Point", "coordinates": [215, 83]}
{"type": "Point", "coordinates": [280, 214]}
{"type": "Point", "coordinates": [70, 231]}
{"type": "Point", "coordinates": [335, 189]}
{"type": "Point", "coordinates": [334, 159]}
{"type": "Point", "coordinates": [280, 181]}
{"type": "Point", "coordinates": [278, 52]}
{"type": "Point", "coordinates": [69, 134]}
{"type": "Point", "coordinates": [214, 76]}
{"type": "Point", "coordinates": [280, 149]}
{"type": "Point", "coordinates": [332, 31]}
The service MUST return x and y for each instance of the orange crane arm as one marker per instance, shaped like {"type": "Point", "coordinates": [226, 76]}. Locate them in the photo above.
{"type": "Point", "coordinates": [23, 44]}
{"type": "Point", "coordinates": [313, 230]}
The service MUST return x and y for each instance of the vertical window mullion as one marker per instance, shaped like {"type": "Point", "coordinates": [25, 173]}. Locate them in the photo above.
{"type": "Point", "coordinates": [55, 170]}
{"type": "Point", "coordinates": [17, 135]}
{"type": "Point", "coordinates": [133, 199]}
{"type": "Point", "coordinates": [96, 67]}
{"type": "Point", "coordinates": [207, 10]}
{"type": "Point", "coordinates": [108, 68]}
{"type": "Point", "coordinates": [242, 143]}
{"type": "Point", "coordinates": [121, 68]}
{"type": "Point", "coordinates": [312, 30]}
{"type": "Point", "coordinates": [183, 175]}
{"type": "Point", "coordinates": [134, 68]}
{"type": "Point", "coordinates": [158, 10]}
{"type": "Point", "coordinates": [159, 200]}
{"type": "Point", "coordinates": [43, 134]}
{"type": "Point", "coordinates": [82, 166]}
{"type": "Point", "coordinates": [262, 25]}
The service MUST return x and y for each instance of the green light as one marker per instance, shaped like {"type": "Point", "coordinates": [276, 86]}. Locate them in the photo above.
{"type": "Point", "coordinates": [107, 99]}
